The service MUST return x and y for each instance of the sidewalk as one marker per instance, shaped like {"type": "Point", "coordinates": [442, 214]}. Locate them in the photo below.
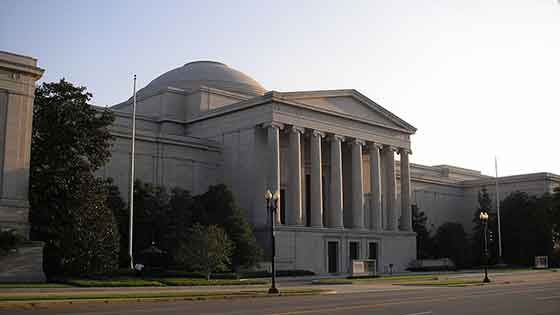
{"type": "Point", "coordinates": [297, 283]}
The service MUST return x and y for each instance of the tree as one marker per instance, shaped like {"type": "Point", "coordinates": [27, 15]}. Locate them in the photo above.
{"type": "Point", "coordinates": [181, 205]}
{"type": "Point", "coordinates": [66, 131]}
{"type": "Point", "coordinates": [85, 238]}
{"type": "Point", "coordinates": [217, 206]}
{"type": "Point", "coordinates": [70, 141]}
{"type": "Point", "coordinates": [121, 213]}
{"type": "Point", "coordinates": [424, 242]}
{"type": "Point", "coordinates": [527, 227]}
{"type": "Point", "coordinates": [208, 250]}
{"type": "Point", "coordinates": [451, 242]}
{"type": "Point", "coordinates": [151, 216]}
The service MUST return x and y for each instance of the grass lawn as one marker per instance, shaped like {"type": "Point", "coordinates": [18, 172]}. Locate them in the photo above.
{"type": "Point", "coordinates": [154, 295]}
{"type": "Point", "coordinates": [33, 285]}
{"type": "Point", "coordinates": [444, 282]}
{"type": "Point", "coordinates": [114, 282]}
{"type": "Point", "coordinates": [199, 282]}
{"type": "Point", "coordinates": [135, 282]}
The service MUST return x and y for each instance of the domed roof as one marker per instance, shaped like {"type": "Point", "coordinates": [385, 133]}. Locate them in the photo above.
{"type": "Point", "coordinates": [206, 73]}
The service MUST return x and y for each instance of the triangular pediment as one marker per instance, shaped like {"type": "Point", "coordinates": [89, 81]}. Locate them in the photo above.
{"type": "Point", "coordinates": [350, 103]}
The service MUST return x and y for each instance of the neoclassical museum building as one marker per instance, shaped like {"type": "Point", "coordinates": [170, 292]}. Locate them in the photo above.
{"type": "Point", "coordinates": [340, 161]}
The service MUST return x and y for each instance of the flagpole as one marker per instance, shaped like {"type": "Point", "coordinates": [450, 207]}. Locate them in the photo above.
{"type": "Point", "coordinates": [498, 213]}
{"type": "Point", "coordinates": [131, 198]}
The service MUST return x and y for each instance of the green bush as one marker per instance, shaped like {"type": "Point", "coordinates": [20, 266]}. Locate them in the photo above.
{"type": "Point", "coordinates": [9, 239]}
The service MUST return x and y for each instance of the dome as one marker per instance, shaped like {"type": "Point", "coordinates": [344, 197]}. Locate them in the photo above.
{"type": "Point", "coordinates": [206, 73]}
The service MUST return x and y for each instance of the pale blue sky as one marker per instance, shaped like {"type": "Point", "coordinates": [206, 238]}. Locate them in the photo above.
{"type": "Point", "coordinates": [477, 78]}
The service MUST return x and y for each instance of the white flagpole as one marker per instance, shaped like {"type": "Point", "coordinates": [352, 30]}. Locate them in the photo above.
{"type": "Point", "coordinates": [498, 212]}
{"type": "Point", "coordinates": [131, 200]}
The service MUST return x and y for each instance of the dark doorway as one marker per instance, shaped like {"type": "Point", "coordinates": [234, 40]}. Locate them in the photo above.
{"type": "Point", "coordinates": [372, 251]}
{"type": "Point", "coordinates": [354, 251]}
{"type": "Point", "coordinates": [332, 257]}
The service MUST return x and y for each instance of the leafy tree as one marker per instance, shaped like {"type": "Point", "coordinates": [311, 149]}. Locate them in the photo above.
{"type": "Point", "coordinates": [66, 131]}
{"type": "Point", "coordinates": [70, 141]}
{"type": "Point", "coordinates": [151, 216]}
{"type": "Point", "coordinates": [208, 250]}
{"type": "Point", "coordinates": [180, 219]}
{"type": "Point", "coordinates": [120, 211]}
{"type": "Point", "coordinates": [217, 206]}
{"type": "Point", "coordinates": [451, 242]}
{"type": "Point", "coordinates": [527, 227]}
{"type": "Point", "coordinates": [85, 238]}
{"type": "Point", "coordinates": [424, 242]}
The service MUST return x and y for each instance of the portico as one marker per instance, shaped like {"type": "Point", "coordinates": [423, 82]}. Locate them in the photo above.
{"type": "Point", "coordinates": [332, 215]}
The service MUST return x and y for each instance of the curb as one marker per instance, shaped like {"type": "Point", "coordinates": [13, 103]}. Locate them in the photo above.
{"type": "Point", "coordinates": [46, 303]}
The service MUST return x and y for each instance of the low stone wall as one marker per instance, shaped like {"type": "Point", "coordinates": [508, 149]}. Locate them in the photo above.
{"type": "Point", "coordinates": [24, 264]}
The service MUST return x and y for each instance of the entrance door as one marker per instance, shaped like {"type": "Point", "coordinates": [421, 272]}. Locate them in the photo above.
{"type": "Point", "coordinates": [332, 252]}
{"type": "Point", "coordinates": [372, 250]}
{"type": "Point", "coordinates": [354, 253]}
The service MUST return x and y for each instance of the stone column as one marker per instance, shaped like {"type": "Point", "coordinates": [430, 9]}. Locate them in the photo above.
{"type": "Point", "coordinates": [390, 187]}
{"type": "Point", "coordinates": [406, 216]}
{"type": "Point", "coordinates": [273, 180]}
{"type": "Point", "coordinates": [375, 186]}
{"type": "Point", "coordinates": [316, 192]}
{"type": "Point", "coordinates": [295, 213]}
{"type": "Point", "coordinates": [357, 185]}
{"type": "Point", "coordinates": [335, 209]}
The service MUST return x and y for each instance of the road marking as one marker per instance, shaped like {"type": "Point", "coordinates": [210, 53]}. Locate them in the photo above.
{"type": "Point", "coordinates": [421, 313]}
{"type": "Point", "coordinates": [544, 298]}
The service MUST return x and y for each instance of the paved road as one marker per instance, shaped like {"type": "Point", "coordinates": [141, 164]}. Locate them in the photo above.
{"type": "Point", "coordinates": [542, 297]}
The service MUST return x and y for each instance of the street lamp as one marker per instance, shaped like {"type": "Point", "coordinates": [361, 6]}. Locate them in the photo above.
{"type": "Point", "coordinates": [272, 206]}
{"type": "Point", "coordinates": [484, 218]}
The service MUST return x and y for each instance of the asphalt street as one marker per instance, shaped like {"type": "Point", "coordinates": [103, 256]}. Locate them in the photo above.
{"type": "Point", "coordinates": [519, 298]}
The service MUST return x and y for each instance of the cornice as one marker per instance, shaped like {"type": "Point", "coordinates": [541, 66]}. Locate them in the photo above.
{"type": "Point", "coordinates": [34, 71]}
{"type": "Point", "coordinates": [274, 96]}
{"type": "Point", "coordinates": [347, 92]}
{"type": "Point", "coordinates": [166, 139]}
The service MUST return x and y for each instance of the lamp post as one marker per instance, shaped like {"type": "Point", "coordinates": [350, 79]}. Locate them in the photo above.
{"type": "Point", "coordinates": [484, 218]}
{"type": "Point", "coordinates": [271, 206]}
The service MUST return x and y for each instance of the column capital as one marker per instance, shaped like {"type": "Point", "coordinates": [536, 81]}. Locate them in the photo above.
{"type": "Point", "coordinates": [318, 133]}
{"type": "Point", "coordinates": [374, 145]}
{"type": "Point", "coordinates": [390, 147]}
{"type": "Point", "coordinates": [292, 128]}
{"type": "Point", "coordinates": [358, 141]}
{"type": "Point", "coordinates": [337, 137]}
{"type": "Point", "coordinates": [405, 150]}
{"type": "Point", "coordinates": [273, 124]}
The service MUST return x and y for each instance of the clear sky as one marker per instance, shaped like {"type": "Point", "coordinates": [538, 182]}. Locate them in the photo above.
{"type": "Point", "coordinates": [477, 78]}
